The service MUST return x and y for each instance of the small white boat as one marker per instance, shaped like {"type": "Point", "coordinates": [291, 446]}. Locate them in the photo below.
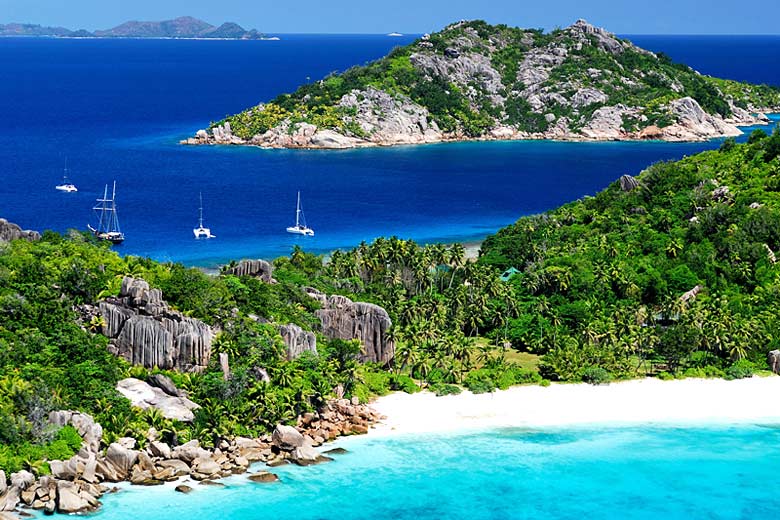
{"type": "Point", "coordinates": [300, 227]}
{"type": "Point", "coordinates": [66, 186]}
{"type": "Point", "coordinates": [200, 231]}
{"type": "Point", "coordinates": [396, 34]}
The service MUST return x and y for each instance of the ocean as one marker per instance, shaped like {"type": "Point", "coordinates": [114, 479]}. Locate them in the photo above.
{"type": "Point", "coordinates": [717, 472]}
{"type": "Point", "coordinates": [116, 109]}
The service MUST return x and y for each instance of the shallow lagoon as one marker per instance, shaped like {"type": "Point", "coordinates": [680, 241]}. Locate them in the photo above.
{"type": "Point", "coordinates": [650, 472]}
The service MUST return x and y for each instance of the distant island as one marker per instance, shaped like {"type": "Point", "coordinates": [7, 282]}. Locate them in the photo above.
{"type": "Point", "coordinates": [182, 27]}
{"type": "Point", "coordinates": [473, 81]}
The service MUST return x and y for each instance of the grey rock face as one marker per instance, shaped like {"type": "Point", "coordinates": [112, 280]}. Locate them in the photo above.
{"type": "Point", "coordinates": [256, 268]}
{"type": "Point", "coordinates": [588, 96]}
{"type": "Point", "coordinates": [390, 119]}
{"type": "Point", "coordinates": [145, 331]}
{"type": "Point", "coordinates": [628, 183]}
{"type": "Point", "coordinates": [145, 396]}
{"type": "Point", "coordinates": [341, 318]}
{"type": "Point", "coordinates": [297, 340]}
{"type": "Point", "coordinates": [10, 231]}
{"type": "Point", "coordinates": [91, 432]}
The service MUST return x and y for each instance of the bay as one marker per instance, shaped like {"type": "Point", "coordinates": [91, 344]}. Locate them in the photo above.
{"type": "Point", "coordinates": [116, 109]}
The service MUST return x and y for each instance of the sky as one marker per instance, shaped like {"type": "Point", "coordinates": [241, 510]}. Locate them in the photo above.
{"type": "Point", "coordinates": [411, 16]}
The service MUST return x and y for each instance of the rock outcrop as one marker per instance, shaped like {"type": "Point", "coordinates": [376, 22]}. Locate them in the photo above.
{"type": "Point", "coordinates": [256, 268]}
{"type": "Point", "coordinates": [297, 340]}
{"type": "Point", "coordinates": [10, 231]}
{"type": "Point", "coordinates": [91, 432]}
{"type": "Point", "coordinates": [341, 318]}
{"type": "Point", "coordinates": [144, 395]}
{"type": "Point", "coordinates": [145, 331]}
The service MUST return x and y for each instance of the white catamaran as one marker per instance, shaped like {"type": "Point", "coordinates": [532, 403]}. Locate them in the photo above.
{"type": "Point", "coordinates": [66, 186]}
{"type": "Point", "coordinates": [200, 231]}
{"type": "Point", "coordinates": [108, 222]}
{"type": "Point", "coordinates": [300, 222]}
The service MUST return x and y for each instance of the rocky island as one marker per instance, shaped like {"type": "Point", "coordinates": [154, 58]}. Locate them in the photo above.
{"type": "Point", "coordinates": [181, 27]}
{"type": "Point", "coordinates": [475, 81]}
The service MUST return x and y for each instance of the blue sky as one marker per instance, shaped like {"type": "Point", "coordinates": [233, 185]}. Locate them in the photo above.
{"type": "Point", "coordinates": [412, 16]}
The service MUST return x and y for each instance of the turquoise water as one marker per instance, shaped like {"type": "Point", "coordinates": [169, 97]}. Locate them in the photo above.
{"type": "Point", "coordinates": [653, 472]}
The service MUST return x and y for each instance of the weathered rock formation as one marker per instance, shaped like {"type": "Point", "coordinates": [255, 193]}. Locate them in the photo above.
{"type": "Point", "coordinates": [341, 318]}
{"type": "Point", "coordinates": [256, 268]}
{"type": "Point", "coordinates": [297, 340]}
{"type": "Point", "coordinates": [628, 183]}
{"type": "Point", "coordinates": [773, 358]}
{"type": "Point", "coordinates": [144, 395]}
{"type": "Point", "coordinates": [145, 331]}
{"type": "Point", "coordinates": [91, 432]}
{"type": "Point", "coordinates": [10, 231]}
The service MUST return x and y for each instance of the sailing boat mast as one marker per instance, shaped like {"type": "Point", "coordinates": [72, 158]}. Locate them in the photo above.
{"type": "Point", "coordinates": [200, 210]}
{"type": "Point", "coordinates": [298, 211]}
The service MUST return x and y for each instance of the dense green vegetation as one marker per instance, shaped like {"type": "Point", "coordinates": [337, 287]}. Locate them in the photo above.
{"type": "Point", "coordinates": [676, 277]}
{"type": "Point", "coordinates": [602, 278]}
{"type": "Point", "coordinates": [465, 105]}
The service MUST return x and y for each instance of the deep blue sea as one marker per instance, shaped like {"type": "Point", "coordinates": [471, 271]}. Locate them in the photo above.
{"type": "Point", "coordinates": [117, 109]}
{"type": "Point", "coordinates": [717, 472]}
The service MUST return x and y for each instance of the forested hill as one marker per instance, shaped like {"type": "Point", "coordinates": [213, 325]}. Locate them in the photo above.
{"type": "Point", "coordinates": [676, 265]}
{"type": "Point", "coordinates": [475, 80]}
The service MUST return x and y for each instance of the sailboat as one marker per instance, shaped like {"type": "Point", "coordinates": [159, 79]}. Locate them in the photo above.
{"type": "Point", "coordinates": [108, 222]}
{"type": "Point", "coordinates": [300, 222]}
{"type": "Point", "coordinates": [66, 186]}
{"type": "Point", "coordinates": [200, 231]}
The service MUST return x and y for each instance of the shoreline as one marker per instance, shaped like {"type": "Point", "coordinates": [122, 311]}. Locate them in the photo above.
{"type": "Point", "coordinates": [682, 402]}
{"type": "Point", "coordinates": [771, 115]}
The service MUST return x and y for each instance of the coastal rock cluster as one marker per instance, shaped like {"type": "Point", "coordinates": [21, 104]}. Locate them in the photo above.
{"type": "Point", "coordinates": [578, 98]}
{"type": "Point", "coordinates": [77, 484]}
{"type": "Point", "coordinates": [145, 331]}
{"type": "Point", "coordinates": [171, 402]}
{"type": "Point", "coordinates": [341, 318]}
{"type": "Point", "coordinates": [10, 231]}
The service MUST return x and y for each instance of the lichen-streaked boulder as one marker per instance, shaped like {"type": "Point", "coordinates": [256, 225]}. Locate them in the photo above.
{"type": "Point", "coordinates": [10, 231]}
{"type": "Point", "coordinates": [144, 396]}
{"type": "Point", "coordinates": [256, 268]}
{"type": "Point", "coordinates": [297, 340]}
{"type": "Point", "coordinates": [145, 331]}
{"type": "Point", "coordinates": [341, 318]}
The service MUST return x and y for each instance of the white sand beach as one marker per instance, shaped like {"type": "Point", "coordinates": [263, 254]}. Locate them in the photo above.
{"type": "Point", "coordinates": [647, 401]}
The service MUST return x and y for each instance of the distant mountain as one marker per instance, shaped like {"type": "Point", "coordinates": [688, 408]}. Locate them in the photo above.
{"type": "Point", "coordinates": [182, 27]}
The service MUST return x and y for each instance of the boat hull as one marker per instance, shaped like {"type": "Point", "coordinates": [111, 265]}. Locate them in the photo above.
{"type": "Point", "coordinates": [300, 230]}
{"type": "Point", "coordinates": [202, 233]}
{"type": "Point", "coordinates": [67, 188]}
